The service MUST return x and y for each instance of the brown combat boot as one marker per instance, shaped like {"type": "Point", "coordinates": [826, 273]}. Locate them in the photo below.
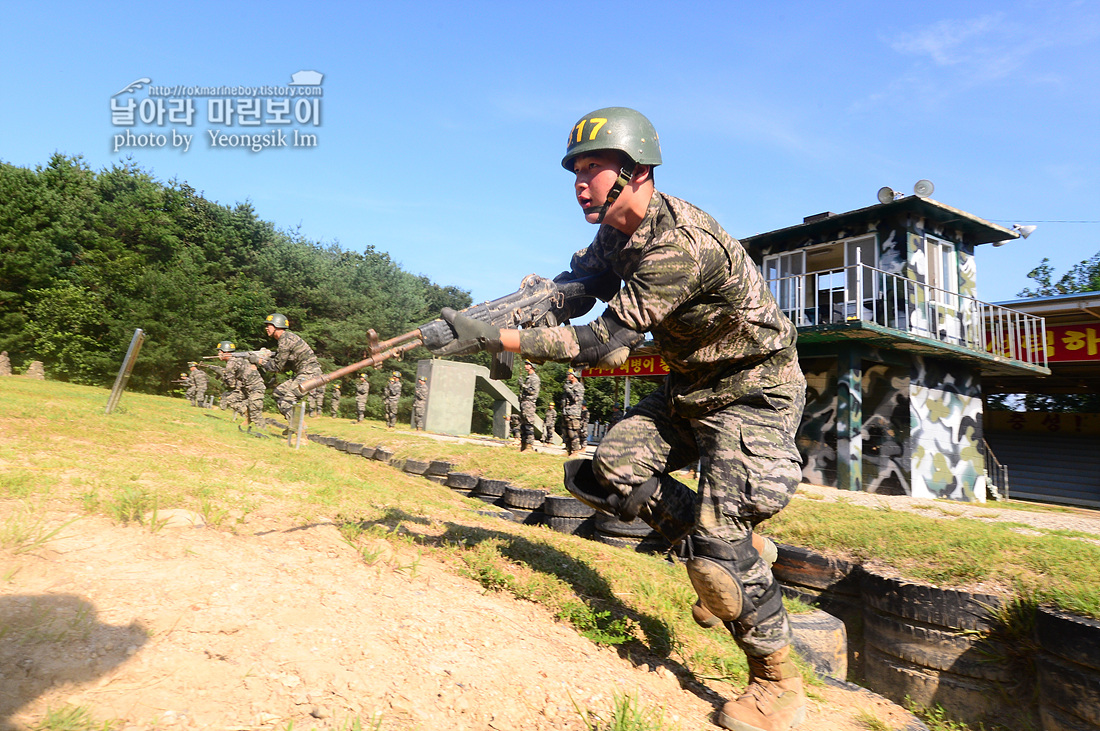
{"type": "Point", "coordinates": [767, 550]}
{"type": "Point", "coordinates": [772, 701]}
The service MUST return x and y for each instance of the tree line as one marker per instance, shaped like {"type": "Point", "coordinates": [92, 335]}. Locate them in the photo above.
{"type": "Point", "coordinates": [87, 257]}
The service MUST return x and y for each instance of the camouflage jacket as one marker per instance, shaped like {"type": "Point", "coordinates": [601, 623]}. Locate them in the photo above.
{"type": "Point", "coordinates": [244, 376]}
{"type": "Point", "coordinates": [421, 393]}
{"type": "Point", "coordinates": [362, 389]}
{"type": "Point", "coordinates": [393, 391]}
{"type": "Point", "coordinates": [199, 379]}
{"type": "Point", "coordinates": [295, 354]}
{"type": "Point", "coordinates": [529, 388]}
{"type": "Point", "coordinates": [693, 287]}
{"type": "Point", "coordinates": [572, 399]}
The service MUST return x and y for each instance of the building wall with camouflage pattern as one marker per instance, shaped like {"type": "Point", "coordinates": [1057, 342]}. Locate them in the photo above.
{"type": "Point", "coordinates": [884, 433]}
{"type": "Point", "coordinates": [817, 436]}
{"type": "Point", "coordinates": [946, 423]}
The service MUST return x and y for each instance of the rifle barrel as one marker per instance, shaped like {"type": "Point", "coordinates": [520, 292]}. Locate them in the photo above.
{"type": "Point", "coordinates": [408, 341]}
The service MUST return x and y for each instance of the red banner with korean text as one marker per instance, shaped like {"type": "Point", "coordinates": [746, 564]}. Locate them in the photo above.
{"type": "Point", "coordinates": [1064, 343]}
{"type": "Point", "coordinates": [1073, 342]}
{"type": "Point", "coordinates": [641, 365]}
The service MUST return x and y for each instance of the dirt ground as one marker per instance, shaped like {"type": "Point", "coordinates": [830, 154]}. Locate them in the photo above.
{"type": "Point", "coordinates": [282, 625]}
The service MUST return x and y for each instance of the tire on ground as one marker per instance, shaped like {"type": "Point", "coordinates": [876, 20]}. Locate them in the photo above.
{"type": "Point", "coordinates": [518, 497]}
{"type": "Point", "coordinates": [566, 507]}
{"type": "Point", "coordinates": [934, 646]}
{"type": "Point", "coordinates": [612, 526]}
{"type": "Point", "coordinates": [1068, 666]}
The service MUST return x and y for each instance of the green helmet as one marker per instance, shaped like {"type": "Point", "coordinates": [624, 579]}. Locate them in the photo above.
{"type": "Point", "coordinates": [614, 128]}
{"type": "Point", "coordinates": [226, 347]}
{"type": "Point", "coordinates": [278, 320]}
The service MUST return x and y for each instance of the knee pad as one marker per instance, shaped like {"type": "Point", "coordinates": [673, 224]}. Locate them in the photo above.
{"type": "Point", "coordinates": [715, 568]}
{"type": "Point", "coordinates": [581, 482]}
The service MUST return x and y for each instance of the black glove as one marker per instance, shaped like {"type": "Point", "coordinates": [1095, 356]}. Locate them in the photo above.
{"type": "Point", "coordinates": [467, 328]}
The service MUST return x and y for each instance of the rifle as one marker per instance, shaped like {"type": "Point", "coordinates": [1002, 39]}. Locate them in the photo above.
{"type": "Point", "coordinates": [539, 302]}
{"type": "Point", "coordinates": [262, 353]}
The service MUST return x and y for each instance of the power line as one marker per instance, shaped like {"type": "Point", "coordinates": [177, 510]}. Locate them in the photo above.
{"type": "Point", "coordinates": [1013, 220]}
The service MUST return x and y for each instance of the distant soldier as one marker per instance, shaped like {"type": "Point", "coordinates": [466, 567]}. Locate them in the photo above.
{"type": "Point", "coordinates": [362, 390]}
{"type": "Point", "coordinates": [549, 424]}
{"type": "Point", "coordinates": [334, 405]}
{"type": "Point", "coordinates": [185, 383]}
{"type": "Point", "coordinates": [420, 403]}
{"type": "Point", "coordinates": [199, 383]}
{"type": "Point", "coordinates": [314, 400]}
{"type": "Point", "coordinates": [513, 426]}
{"type": "Point", "coordinates": [391, 398]}
{"type": "Point", "coordinates": [528, 399]}
{"type": "Point", "coordinates": [293, 353]}
{"type": "Point", "coordinates": [5, 364]}
{"type": "Point", "coordinates": [572, 401]}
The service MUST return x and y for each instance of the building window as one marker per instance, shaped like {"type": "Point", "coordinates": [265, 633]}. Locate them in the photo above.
{"type": "Point", "coordinates": [943, 270]}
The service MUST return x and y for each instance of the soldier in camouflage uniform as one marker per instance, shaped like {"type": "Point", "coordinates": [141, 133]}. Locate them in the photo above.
{"type": "Point", "coordinates": [5, 364]}
{"type": "Point", "coordinates": [245, 386]}
{"type": "Point", "coordinates": [572, 401]}
{"type": "Point", "coordinates": [733, 397]}
{"type": "Point", "coordinates": [293, 353]}
{"type": "Point", "coordinates": [334, 404]}
{"type": "Point", "coordinates": [391, 398]}
{"type": "Point", "coordinates": [362, 390]}
{"type": "Point", "coordinates": [199, 383]}
{"type": "Point", "coordinates": [528, 400]}
{"type": "Point", "coordinates": [315, 399]}
{"type": "Point", "coordinates": [420, 403]}
{"type": "Point", "coordinates": [549, 424]}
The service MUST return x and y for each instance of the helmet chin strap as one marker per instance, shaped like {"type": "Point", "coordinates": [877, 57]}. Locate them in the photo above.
{"type": "Point", "coordinates": [613, 194]}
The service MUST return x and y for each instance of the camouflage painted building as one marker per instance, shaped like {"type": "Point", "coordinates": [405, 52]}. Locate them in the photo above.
{"type": "Point", "coordinates": [894, 344]}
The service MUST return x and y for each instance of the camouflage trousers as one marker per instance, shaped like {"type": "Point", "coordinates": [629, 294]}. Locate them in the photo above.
{"type": "Point", "coordinates": [391, 414]}
{"type": "Point", "coordinates": [748, 471]}
{"type": "Point", "coordinates": [418, 416]}
{"type": "Point", "coordinates": [360, 407]}
{"type": "Point", "coordinates": [574, 440]}
{"type": "Point", "coordinates": [246, 403]}
{"type": "Point", "coordinates": [286, 394]}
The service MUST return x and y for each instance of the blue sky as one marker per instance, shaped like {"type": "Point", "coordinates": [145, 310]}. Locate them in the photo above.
{"type": "Point", "coordinates": [443, 124]}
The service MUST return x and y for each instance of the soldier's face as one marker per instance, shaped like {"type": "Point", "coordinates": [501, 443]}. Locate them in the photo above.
{"type": "Point", "coordinates": [595, 176]}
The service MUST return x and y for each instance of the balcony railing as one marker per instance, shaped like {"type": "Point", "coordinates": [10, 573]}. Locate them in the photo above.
{"type": "Point", "coordinates": [861, 293]}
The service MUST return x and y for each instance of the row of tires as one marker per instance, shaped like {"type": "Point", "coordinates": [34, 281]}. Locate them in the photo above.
{"type": "Point", "coordinates": [976, 655]}
{"type": "Point", "coordinates": [960, 650]}
{"type": "Point", "coordinates": [531, 507]}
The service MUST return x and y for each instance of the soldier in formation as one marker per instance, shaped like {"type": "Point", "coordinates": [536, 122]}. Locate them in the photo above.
{"type": "Point", "coordinates": [294, 354]}
{"type": "Point", "coordinates": [733, 398]}
{"type": "Point", "coordinates": [5, 364]}
{"type": "Point", "coordinates": [199, 383]}
{"type": "Point", "coordinates": [391, 398]}
{"type": "Point", "coordinates": [362, 390]}
{"type": "Point", "coordinates": [528, 400]}
{"type": "Point", "coordinates": [334, 405]}
{"type": "Point", "coordinates": [572, 401]}
{"type": "Point", "coordinates": [549, 424]}
{"type": "Point", "coordinates": [420, 403]}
